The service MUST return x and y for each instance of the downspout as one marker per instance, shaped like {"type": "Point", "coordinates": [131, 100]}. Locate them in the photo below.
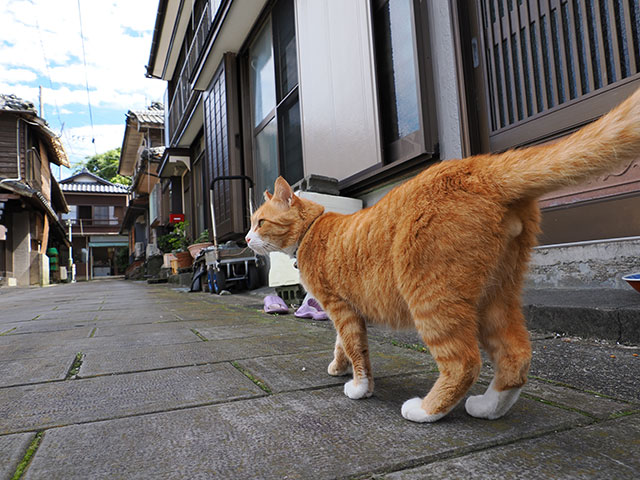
{"type": "Point", "coordinates": [17, 156]}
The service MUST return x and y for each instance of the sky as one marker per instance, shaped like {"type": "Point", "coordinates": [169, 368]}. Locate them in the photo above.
{"type": "Point", "coordinates": [41, 45]}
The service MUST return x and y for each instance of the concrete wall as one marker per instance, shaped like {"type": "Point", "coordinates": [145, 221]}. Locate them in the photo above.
{"type": "Point", "coordinates": [21, 237]}
{"type": "Point", "coordinates": [585, 264]}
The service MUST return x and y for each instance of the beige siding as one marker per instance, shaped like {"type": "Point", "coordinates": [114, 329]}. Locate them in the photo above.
{"type": "Point", "coordinates": [45, 173]}
{"type": "Point", "coordinates": [338, 100]}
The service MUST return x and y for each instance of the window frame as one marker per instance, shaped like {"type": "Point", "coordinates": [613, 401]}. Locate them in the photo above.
{"type": "Point", "coordinates": [561, 117]}
{"type": "Point", "coordinates": [250, 130]}
{"type": "Point", "coordinates": [422, 142]}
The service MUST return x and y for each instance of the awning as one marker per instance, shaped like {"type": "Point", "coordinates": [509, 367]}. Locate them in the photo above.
{"type": "Point", "coordinates": [108, 244]}
{"type": "Point", "coordinates": [175, 161]}
{"type": "Point", "coordinates": [108, 241]}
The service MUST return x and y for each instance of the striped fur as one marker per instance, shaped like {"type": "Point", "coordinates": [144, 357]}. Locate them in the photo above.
{"type": "Point", "coordinates": [444, 253]}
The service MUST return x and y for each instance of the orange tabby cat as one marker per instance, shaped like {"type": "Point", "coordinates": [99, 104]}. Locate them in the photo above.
{"type": "Point", "coordinates": [445, 253]}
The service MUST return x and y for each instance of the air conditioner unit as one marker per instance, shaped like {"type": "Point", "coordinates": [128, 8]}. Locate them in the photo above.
{"type": "Point", "coordinates": [139, 249]}
{"type": "Point", "coordinates": [282, 272]}
{"type": "Point", "coordinates": [152, 250]}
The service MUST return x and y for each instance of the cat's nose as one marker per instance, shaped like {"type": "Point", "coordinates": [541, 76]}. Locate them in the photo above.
{"type": "Point", "coordinates": [248, 240]}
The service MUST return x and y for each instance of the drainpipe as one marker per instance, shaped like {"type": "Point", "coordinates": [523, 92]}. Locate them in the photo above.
{"type": "Point", "coordinates": [17, 155]}
{"type": "Point", "coordinates": [70, 253]}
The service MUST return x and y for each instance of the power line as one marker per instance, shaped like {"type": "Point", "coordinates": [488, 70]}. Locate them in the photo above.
{"type": "Point", "coordinates": [86, 80]}
{"type": "Point", "coordinates": [46, 64]}
{"type": "Point", "coordinates": [55, 101]}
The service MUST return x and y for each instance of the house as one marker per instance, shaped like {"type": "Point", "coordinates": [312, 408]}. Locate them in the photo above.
{"type": "Point", "coordinates": [370, 92]}
{"type": "Point", "coordinates": [30, 197]}
{"type": "Point", "coordinates": [96, 211]}
{"type": "Point", "coordinates": [142, 149]}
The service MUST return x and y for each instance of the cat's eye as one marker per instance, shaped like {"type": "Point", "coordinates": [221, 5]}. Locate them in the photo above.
{"type": "Point", "coordinates": [260, 223]}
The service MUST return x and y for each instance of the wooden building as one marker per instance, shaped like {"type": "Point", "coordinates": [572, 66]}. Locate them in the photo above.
{"type": "Point", "coordinates": [30, 197]}
{"type": "Point", "coordinates": [142, 149]}
{"type": "Point", "coordinates": [372, 91]}
{"type": "Point", "coordinates": [96, 211]}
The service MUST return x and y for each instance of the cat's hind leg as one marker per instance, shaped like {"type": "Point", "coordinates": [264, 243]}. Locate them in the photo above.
{"type": "Point", "coordinates": [352, 342]}
{"type": "Point", "coordinates": [505, 338]}
{"type": "Point", "coordinates": [502, 327]}
{"type": "Point", "coordinates": [449, 330]}
{"type": "Point", "coordinates": [340, 364]}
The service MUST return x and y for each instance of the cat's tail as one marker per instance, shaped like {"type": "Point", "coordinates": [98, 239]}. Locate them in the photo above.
{"type": "Point", "coordinates": [595, 149]}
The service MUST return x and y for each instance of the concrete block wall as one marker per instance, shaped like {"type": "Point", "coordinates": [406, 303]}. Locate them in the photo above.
{"type": "Point", "coordinates": [598, 264]}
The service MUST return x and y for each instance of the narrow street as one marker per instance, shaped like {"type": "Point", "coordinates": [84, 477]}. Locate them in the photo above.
{"type": "Point", "coordinates": [118, 379]}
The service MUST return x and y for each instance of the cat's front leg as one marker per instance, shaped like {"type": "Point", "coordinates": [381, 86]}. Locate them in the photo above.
{"type": "Point", "coordinates": [352, 342]}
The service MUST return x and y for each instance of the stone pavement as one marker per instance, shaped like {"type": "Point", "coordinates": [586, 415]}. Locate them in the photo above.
{"type": "Point", "coordinates": [115, 379]}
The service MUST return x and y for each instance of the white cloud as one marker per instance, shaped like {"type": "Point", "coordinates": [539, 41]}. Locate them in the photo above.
{"type": "Point", "coordinates": [79, 143]}
{"type": "Point", "coordinates": [16, 75]}
{"type": "Point", "coordinates": [117, 43]}
{"type": "Point", "coordinates": [40, 43]}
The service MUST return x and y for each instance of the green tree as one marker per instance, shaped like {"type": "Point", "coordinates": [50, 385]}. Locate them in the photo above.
{"type": "Point", "coordinates": [105, 165]}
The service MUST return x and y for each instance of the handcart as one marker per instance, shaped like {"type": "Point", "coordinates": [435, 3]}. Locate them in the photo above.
{"type": "Point", "coordinates": [230, 264]}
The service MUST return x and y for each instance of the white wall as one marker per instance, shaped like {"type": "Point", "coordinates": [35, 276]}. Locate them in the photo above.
{"type": "Point", "coordinates": [338, 92]}
{"type": "Point", "coordinates": [445, 79]}
{"type": "Point", "coordinates": [338, 99]}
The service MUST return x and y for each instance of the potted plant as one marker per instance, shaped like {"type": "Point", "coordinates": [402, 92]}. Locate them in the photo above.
{"type": "Point", "coordinates": [201, 242]}
{"type": "Point", "coordinates": [177, 242]}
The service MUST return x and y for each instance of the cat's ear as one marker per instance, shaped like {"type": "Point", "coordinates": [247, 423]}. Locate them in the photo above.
{"type": "Point", "coordinates": [282, 192]}
{"type": "Point", "coordinates": [267, 196]}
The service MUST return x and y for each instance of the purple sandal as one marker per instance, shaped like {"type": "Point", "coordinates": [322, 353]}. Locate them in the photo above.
{"type": "Point", "coordinates": [310, 308]}
{"type": "Point", "coordinates": [274, 304]}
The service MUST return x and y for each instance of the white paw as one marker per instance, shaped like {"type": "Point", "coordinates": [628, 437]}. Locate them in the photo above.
{"type": "Point", "coordinates": [354, 391]}
{"type": "Point", "coordinates": [492, 404]}
{"type": "Point", "coordinates": [334, 371]}
{"type": "Point", "coordinates": [412, 410]}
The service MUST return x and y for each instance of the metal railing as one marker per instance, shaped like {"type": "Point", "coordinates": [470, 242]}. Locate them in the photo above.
{"type": "Point", "coordinates": [91, 222]}
{"type": "Point", "coordinates": [183, 92]}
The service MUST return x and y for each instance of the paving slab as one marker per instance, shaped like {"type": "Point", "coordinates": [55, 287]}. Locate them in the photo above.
{"type": "Point", "coordinates": [48, 405]}
{"type": "Point", "coordinates": [44, 326]}
{"type": "Point", "coordinates": [140, 329]}
{"type": "Point", "coordinates": [241, 329]}
{"type": "Point", "coordinates": [607, 450]}
{"type": "Point", "coordinates": [315, 434]}
{"type": "Point", "coordinates": [26, 351]}
{"type": "Point", "coordinates": [20, 347]}
{"type": "Point", "coordinates": [589, 365]}
{"type": "Point", "coordinates": [12, 450]}
{"type": "Point", "coordinates": [588, 402]}
{"type": "Point", "coordinates": [100, 362]}
{"type": "Point", "coordinates": [309, 370]}
{"type": "Point", "coordinates": [34, 370]}
{"type": "Point", "coordinates": [186, 412]}
{"type": "Point", "coordinates": [120, 317]}
{"type": "Point", "coordinates": [35, 338]}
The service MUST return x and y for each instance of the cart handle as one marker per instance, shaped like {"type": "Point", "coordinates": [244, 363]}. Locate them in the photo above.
{"type": "Point", "coordinates": [213, 213]}
{"type": "Point", "coordinates": [231, 177]}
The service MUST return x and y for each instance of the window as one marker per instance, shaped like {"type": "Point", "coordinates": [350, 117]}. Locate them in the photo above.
{"type": "Point", "coordinates": [551, 66]}
{"type": "Point", "coordinates": [402, 66]}
{"type": "Point", "coordinates": [275, 105]}
{"type": "Point", "coordinates": [223, 151]}
{"type": "Point", "coordinates": [104, 215]}
{"type": "Point", "coordinates": [84, 212]}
